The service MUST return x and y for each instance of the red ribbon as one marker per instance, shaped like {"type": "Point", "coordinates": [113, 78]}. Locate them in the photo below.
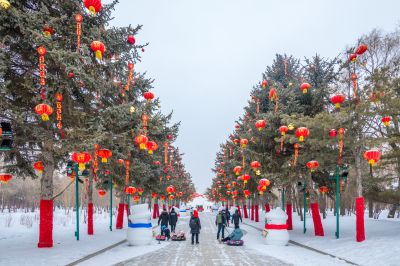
{"type": "Point", "coordinates": [276, 226]}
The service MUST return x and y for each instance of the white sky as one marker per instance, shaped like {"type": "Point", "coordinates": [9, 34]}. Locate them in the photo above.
{"type": "Point", "coordinates": [206, 55]}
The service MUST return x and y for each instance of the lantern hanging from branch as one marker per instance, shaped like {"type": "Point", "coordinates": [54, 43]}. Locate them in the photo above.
{"type": "Point", "coordinates": [264, 84]}
{"type": "Point", "coordinates": [386, 120]}
{"type": "Point", "coordinates": [246, 193]}
{"type": "Point", "coordinates": [237, 170]}
{"type": "Point", "coordinates": [94, 6]}
{"type": "Point", "coordinates": [39, 166]}
{"type": "Point", "coordinates": [260, 124]}
{"type": "Point", "coordinates": [104, 154]}
{"type": "Point", "coordinates": [362, 48]}
{"type": "Point", "coordinates": [98, 48]}
{"type": "Point", "coordinates": [154, 195]}
{"type": "Point", "coordinates": [171, 197]}
{"type": "Point", "coordinates": [101, 192]}
{"type": "Point", "coordinates": [255, 165]}
{"type": "Point", "coordinates": [48, 31]}
{"type": "Point", "coordinates": [245, 178]}
{"type": "Point", "coordinates": [130, 190]}
{"type": "Point", "coordinates": [5, 177]}
{"type": "Point", "coordinates": [332, 133]}
{"type": "Point", "coordinates": [151, 146]}
{"type": "Point", "coordinates": [323, 190]}
{"type": "Point", "coordinates": [337, 100]}
{"type": "Point", "coordinates": [170, 189]}
{"type": "Point", "coordinates": [304, 87]}
{"type": "Point", "coordinates": [353, 58]}
{"type": "Point", "coordinates": [140, 191]}
{"type": "Point", "coordinates": [131, 39]}
{"type": "Point", "coordinates": [81, 158]}
{"type": "Point", "coordinates": [42, 70]}
{"type": "Point", "coordinates": [148, 95]}
{"type": "Point", "coordinates": [44, 111]}
{"type": "Point", "coordinates": [141, 140]}
{"type": "Point", "coordinates": [312, 165]}
{"type": "Point", "coordinates": [372, 156]}
{"type": "Point", "coordinates": [264, 183]}
{"type": "Point", "coordinates": [302, 133]}
{"type": "Point", "coordinates": [243, 143]}
{"type": "Point", "coordinates": [136, 198]}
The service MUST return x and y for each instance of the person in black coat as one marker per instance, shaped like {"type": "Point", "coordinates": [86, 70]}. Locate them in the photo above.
{"type": "Point", "coordinates": [228, 216]}
{"type": "Point", "coordinates": [235, 218]}
{"type": "Point", "coordinates": [164, 218]}
{"type": "Point", "coordinates": [173, 219]}
{"type": "Point", "coordinates": [195, 226]}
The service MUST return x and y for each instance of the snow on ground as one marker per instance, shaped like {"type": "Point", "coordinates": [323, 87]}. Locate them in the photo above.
{"type": "Point", "coordinates": [381, 246]}
{"type": "Point", "coordinates": [19, 239]}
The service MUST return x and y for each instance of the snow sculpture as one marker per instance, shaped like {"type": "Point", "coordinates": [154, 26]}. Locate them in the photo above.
{"type": "Point", "coordinates": [276, 228]}
{"type": "Point", "coordinates": [139, 226]}
{"type": "Point", "coordinates": [182, 211]}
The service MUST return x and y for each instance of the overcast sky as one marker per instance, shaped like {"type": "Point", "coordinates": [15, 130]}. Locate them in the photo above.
{"type": "Point", "coordinates": [206, 55]}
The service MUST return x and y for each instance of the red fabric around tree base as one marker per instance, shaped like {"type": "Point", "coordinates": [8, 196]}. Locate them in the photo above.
{"type": "Point", "coordinates": [127, 210]}
{"type": "Point", "coordinates": [120, 216]}
{"type": "Point", "coordinates": [267, 208]}
{"type": "Point", "coordinates": [360, 230]}
{"type": "Point", "coordinates": [246, 215]}
{"type": "Point", "coordinates": [289, 214]}
{"type": "Point", "coordinates": [252, 212]}
{"type": "Point", "coordinates": [276, 226]}
{"type": "Point", "coordinates": [256, 213]}
{"type": "Point", "coordinates": [158, 211]}
{"type": "Point", "coordinates": [46, 224]}
{"type": "Point", "coordinates": [90, 219]}
{"type": "Point", "coordinates": [318, 229]}
{"type": "Point", "coordinates": [155, 207]}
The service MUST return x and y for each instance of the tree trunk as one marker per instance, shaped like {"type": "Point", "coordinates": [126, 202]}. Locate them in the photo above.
{"type": "Point", "coordinates": [370, 209]}
{"type": "Point", "coordinates": [392, 211]}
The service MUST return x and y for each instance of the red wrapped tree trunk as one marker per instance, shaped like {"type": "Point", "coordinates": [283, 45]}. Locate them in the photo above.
{"type": "Point", "coordinates": [246, 215]}
{"type": "Point", "coordinates": [155, 208]}
{"type": "Point", "coordinates": [158, 211]}
{"type": "Point", "coordinates": [256, 213]}
{"type": "Point", "coordinates": [252, 212]}
{"type": "Point", "coordinates": [318, 229]}
{"type": "Point", "coordinates": [127, 210]}
{"type": "Point", "coordinates": [267, 208]}
{"type": "Point", "coordinates": [90, 219]}
{"type": "Point", "coordinates": [289, 214]}
{"type": "Point", "coordinates": [120, 216]}
{"type": "Point", "coordinates": [360, 230]}
{"type": "Point", "coordinates": [46, 224]}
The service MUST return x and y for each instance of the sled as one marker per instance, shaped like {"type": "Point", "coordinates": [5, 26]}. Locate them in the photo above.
{"type": "Point", "coordinates": [160, 238]}
{"type": "Point", "coordinates": [178, 237]}
{"type": "Point", "coordinates": [235, 242]}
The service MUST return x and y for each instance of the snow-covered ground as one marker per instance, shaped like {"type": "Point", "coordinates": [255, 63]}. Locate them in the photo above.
{"type": "Point", "coordinates": [381, 246]}
{"type": "Point", "coordinates": [19, 238]}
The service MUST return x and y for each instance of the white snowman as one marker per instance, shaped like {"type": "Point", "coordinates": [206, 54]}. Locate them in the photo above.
{"type": "Point", "coordinates": [276, 228]}
{"type": "Point", "coordinates": [139, 225]}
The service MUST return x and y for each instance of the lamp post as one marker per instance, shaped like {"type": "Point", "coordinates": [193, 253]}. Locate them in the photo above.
{"type": "Point", "coordinates": [304, 206]}
{"type": "Point", "coordinates": [110, 203]}
{"type": "Point", "coordinates": [283, 198]}
{"type": "Point", "coordinates": [77, 200]}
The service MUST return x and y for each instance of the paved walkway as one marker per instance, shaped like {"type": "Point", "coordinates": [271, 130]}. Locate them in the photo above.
{"type": "Point", "coordinates": [208, 252]}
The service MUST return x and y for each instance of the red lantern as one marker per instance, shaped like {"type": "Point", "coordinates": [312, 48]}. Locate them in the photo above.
{"type": "Point", "coordinates": [222, 164]}
{"type": "Point", "coordinates": [283, 130]}
{"type": "Point", "coordinates": [94, 6]}
{"type": "Point", "coordinates": [154, 195]}
{"type": "Point", "coordinates": [151, 146]}
{"type": "Point", "coordinates": [171, 197]}
{"type": "Point", "coordinates": [260, 190]}
{"type": "Point", "coordinates": [162, 197]}
{"type": "Point", "coordinates": [264, 83]}
{"type": "Point", "coordinates": [237, 170]}
{"type": "Point", "coordinates": [131, 39]}
{"type": "Point", "coordinates": [386, 120]}
{"type": "Point", "coordinates": [148, 96]}
{"type": "Point", "coordinates": [228, 192]}
{"type": "Point", "coordinates": [140, 191]}
{"type": "Point", "coordinates": [361, 49]}
{"type": "Point", "coordinates": [273, 95]}
{"type": "Point", "coordinates": [332, 133]}
{"type": "Point", "coordinates": [372, 156]}
{"type": "Point", "coordinates": [5, 177]}
{"type": "Point", "coordinates": [104, 154]}
{"type": "Point", "coordinates": [141, 140]}
{"type": "Point", "coordinates": [353, 58]}
{"type": "Point", "coordinates": [312, 165]}
{"type": "Point", "coordinates": [233, 183]}
{"type": "Point", "coordinates": [260, 124]}
{"type": "Point", "coordinates": [305, 87]}
{"type": "Point", "coordinates": [264, 183]}
{"type": "Point", "coordinates": [236, 141]}
{"type": "Point", "coordinates": [302, 133]}
{"type": "Point", "coordinates": [323, 189]}
{"type": "Point", "coordinates": [136, 198]}
{"type": "Point", "coordinates": [44, 110]}
{"type": "Point", "coordinates": [246, 193]}
{"type": "Point", "coordinates": [170, 189]}
{"type": "Point", "coordinates": [245, 178]}
{"type": "Point", "coordinates": [237, 126]}
{"type": "Point", "coordinates": [243, 143]}
{"type": "Point", "coordinates": [38, 166]}
{"type": "Point", "coordinates": [228, 186]}
{"type": "Point", "coordinates": [101, 192]}
{"type": "Point", "coordinates": [81, 158]}
{"type": "Point", "coordinates": [98, 48]}
{"type": "Point", "coordinates": [130, 190]}
{"type": "Point", "coordinates": [337, 100]}
{"type": "Point", "coordinates": [255, 165]}
{"type": "Point", "coordinates": [47, 31]}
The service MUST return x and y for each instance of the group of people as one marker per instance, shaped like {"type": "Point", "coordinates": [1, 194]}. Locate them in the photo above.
{"type": "Point", "coordinates": [221, 221]}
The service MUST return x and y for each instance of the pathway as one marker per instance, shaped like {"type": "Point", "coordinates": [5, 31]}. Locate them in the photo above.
{"type": "Point", "coordinates": [209, 252]}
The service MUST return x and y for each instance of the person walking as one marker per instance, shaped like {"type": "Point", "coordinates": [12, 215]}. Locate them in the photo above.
{"type": "Point", "coordinates": [220, 221]}
{"type": "Point", "coordinates": [173, 219]}
{"type": "Point", "coordinates": [195, 226]}
{"type": "Point", "coordinates": [236, 217]}
{"type": "Point", "coordinates": [164, 218]}
{"type": "Point", "coordinates": [228, 216]}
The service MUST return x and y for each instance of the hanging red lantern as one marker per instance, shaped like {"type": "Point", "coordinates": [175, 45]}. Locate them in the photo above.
{"type": "Point", "coordinates": [353, 58]}
{"type": "Point", "coordinates": [302, 133]}
{"type": "Point", "coordinates": [260, 190]}
{"type": "Point", "coordinates": [264, 84]}
{"type": "Point", "coordinates": [94, 6]}
{"type": "Point", "coordinates": [98, 48]}
{"type": "Point", "coordinates": [131, 39]}
{"type": "Point", "coordinates": [148, 96]}
{"type": "Point", "coordinates": [78, 20]}
{"type": "Point", "coordinates": [236, 141]}
{"type": "Point", "coordinates": [255, 165]}
{"type": "Point", "coordinates": [245, 178]}
{"type": "Point", "coordinates": [312, 165]}
{"type": "Point", "coordinates": [233, 183]}
{"type": "Point", "coordinates": [228, 186]}
{"type": "Point", "coordinates": [130, 75]}
{"type": "Point", "coordinates": [38, 166]}
{"type": "Point", "coordinates": [362, 48]}
{"type": "Point", "coordinates": [101, 192]}
{"type": "Point", "coordinates": [162, 197]}
{"type": "Point", "coordinates": [130, 190]}
{"type": "Point", "coordinates": [44, 111]}
{"type": "Point", "coordinates": [141, 140]}
{"type": "Point", "coordinates": [81, 158]}
{"type": "Point", "coordinates": [304, 87]}
{"type": "Point", "coordinates": [228, 192]}
{"type": "Point", "coordinates": [170, 189]}
{"type": "Point", "coordinates": [48, 31]}
{"type": "Point", "coordinates": [273, 95]}
{"type": "Point", "coordinates": [237, 170]}
{"type": "Point", "coordinates": [264, 183]}
{"type": "Point", "coordinates": [171, 197]}
{"type": "Point", "coordinates": [283, 130]}
{"type": "Point", "coordinates": [5, 177]}
{"type": "Point", "coordinates": [372, 156]}
{"type": "Point", "coordinates": [386, 120]}
{"type": "Point", "coordinates": [104, 154]}
{"type": "Point", "coordinates": [260, 124]}
{"type": "Point", "coordinates": [154, 195]}
{"type": "Point", "coordinates": [337, 100]}
{"type": "Point", "coordinates": [243, 143]}
{"type": "Point", "coordinates": [140, 191]}
{"type": "Point", "coordinates": [246, 193]}
{"type": "Point", "coordinates": [151, 146]}
{"type": "Point", "coordinates": [136, 198]}
{"type": "Point", "coordinates": [332, 133]}
{"type": "Point", "coordinates": [324, 189]}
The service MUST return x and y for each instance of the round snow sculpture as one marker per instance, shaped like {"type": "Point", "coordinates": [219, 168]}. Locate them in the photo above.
{"type": "Point", "coordinates": [276, 228]}
{"type": "Point", "coordinates": [139, 226]}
